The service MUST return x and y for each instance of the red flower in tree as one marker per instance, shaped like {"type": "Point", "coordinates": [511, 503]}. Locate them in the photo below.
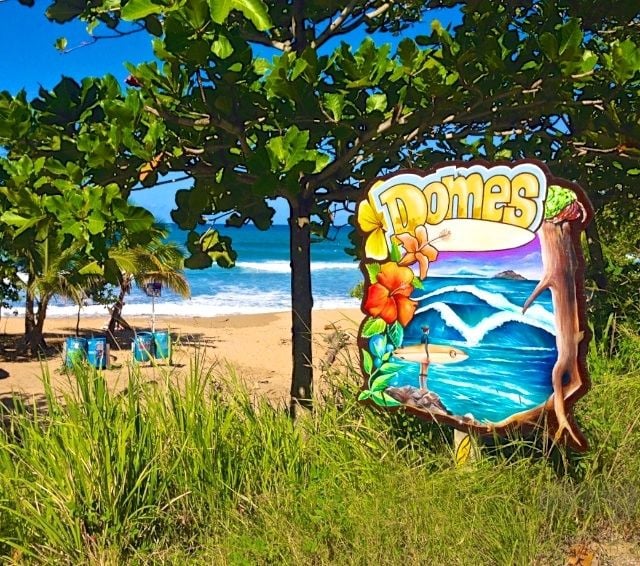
{"type": "Point", "coordinates": [388, 298]}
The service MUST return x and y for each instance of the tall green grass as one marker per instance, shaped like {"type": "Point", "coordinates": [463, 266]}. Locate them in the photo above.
{"type": "Point", "coordinates": [197, 471]}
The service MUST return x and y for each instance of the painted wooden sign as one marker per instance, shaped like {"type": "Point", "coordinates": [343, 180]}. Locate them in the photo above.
{"type": "Point", "coordinates": [474, 296]}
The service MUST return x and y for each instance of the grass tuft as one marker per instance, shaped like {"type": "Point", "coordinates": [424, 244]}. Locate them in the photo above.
{"type": "Point", "coordinates": [200, 472]}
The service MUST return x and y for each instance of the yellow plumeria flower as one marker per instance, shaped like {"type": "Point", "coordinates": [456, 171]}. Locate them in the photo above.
{"type": "Point", "coordinates": [372, 222]}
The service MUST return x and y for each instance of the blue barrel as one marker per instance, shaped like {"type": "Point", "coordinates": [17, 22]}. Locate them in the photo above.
{"type": "Point", "coordinates": [162, 343]}
{"type": "Point", "coordinates": [98, 352]}
{"type": "Point", "coordinates": [75, 351]}
{"type": "Point", "coordinates": [143, 347]}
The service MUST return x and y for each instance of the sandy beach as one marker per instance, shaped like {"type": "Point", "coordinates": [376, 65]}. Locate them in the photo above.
{"type": "Point", "coordinates": [257, 347]}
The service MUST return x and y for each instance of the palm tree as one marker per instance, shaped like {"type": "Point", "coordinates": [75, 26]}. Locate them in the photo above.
{"type": "Point", "coordinates": [53, 268]}
{"type": "Point", "coordinates": [158, 260]}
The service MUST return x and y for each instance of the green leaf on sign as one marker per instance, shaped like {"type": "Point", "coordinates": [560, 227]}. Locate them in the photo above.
{"type": "Point", "coordinates": [372, 327]}
{"type": "Point", "coordinates": [373, 269]}
{"type": "Point", "coordinates": [382, 382]}
{"type": "Point", "coordinates": [367, 362]}
{"type": "Point", "coordinates": [391, 368]}
{"type": "Point", "coordinates": [383, 400]}
{"type": "Point", "coordinates": [417, 283]}
{"type": "Point", "coordinates": [395, 254]}
{"type": "Point", "coordinates": [396, 334]}
{"type": "Point", "coordinates": [364, 395]}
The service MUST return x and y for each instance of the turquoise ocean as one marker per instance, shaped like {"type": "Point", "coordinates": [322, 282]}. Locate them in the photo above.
{"type": "Point", "coordinates": [259, 283]}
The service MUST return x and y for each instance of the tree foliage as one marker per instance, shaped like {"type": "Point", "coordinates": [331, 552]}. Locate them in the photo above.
{"type": "Point", "coordinates": [256, 100]}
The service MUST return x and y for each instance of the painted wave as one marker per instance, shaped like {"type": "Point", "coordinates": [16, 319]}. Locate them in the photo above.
{"type": "Point", "coordinates": [504, 313]}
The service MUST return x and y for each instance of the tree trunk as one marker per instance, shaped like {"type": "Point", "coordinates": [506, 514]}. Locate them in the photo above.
{"type": "Point", "coordinates": [301, 303]}
{"type": "Point", "coordinates": [116, 312]}
{"type": "Point", "coordinates": [29, 313]}
{"type": "Point", "coordinates": [560, 265]}
{"type": "Point", "coordinates": [34, 339]}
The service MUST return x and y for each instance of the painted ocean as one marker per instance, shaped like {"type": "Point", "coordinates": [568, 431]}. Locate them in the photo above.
{"type": "Point", "coordinates": [259, 283]}
{"type": "Point", "coordinates": [510, 354]}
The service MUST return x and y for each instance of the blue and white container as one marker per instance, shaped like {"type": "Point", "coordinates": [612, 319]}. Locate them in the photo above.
{"type": "Point", "coordinates": [75, 351]}
{"type": "Point", "coordinates": [162, 344]}
{"type": "Point", "coordinates": [143, 347]}
{"type": "Point", "coordinates": [98, 352]}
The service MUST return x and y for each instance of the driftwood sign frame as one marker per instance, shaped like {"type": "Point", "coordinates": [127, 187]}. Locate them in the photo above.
{"type": "Point", "coordinates": [474, 296]}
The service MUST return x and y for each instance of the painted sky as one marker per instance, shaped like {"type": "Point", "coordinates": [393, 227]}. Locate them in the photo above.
{"type": "Point", "coordinates": [525, 260]}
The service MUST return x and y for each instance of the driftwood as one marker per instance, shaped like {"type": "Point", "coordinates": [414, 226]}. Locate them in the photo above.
{"type": "Point", "coordinates": [336, 341]}
{"type": "Point", "coordinates": [560, 265]}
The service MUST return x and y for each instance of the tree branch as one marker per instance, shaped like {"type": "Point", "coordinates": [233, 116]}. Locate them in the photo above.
{"type": "Point", "coordinates": [202, 121]}
{"type": "Point", "coordinates": [339, 25]}
{"type": "Point", "coordinates": [342, 160]}
{"type": "Point", "coordinates": [378, 11]}
{"type": "Point", "coordinates": [264, 40]}
{"type": "Point", "coordinates": [334, 25]}
{"type": "Point", "coordinates": [343, 192]}
{"type": "Point", "coordinates": [297, 26]}
{"type": "Point", "coordinates": [96, 38]}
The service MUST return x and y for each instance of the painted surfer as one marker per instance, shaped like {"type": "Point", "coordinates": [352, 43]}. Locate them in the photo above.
{"type": "Point", "coordinates": [424, 365]}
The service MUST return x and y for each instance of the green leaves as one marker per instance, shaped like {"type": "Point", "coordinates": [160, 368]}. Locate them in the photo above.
{"type": "Point", "coordinates": [624, 59]}
{"type": "Point", "coordinates": [288, 151]}
{"type": "Point", "coordinates": [379, 398]}
{"type": "Point", "coordinates": [253, 10]}
{"type": "Point", "coordinates": [570, 38]}
{"type": "Point", "coordinates": [395, 254]}
{"type": "Point", "coordinates": [139, 9]}
{"type": "Point", "coordinates": [373, 269]}
{"type": "Point", "coordinates": [207, 248]}
{"type": "Point", "coordinates": [62, 11]}
{"type": "Point", "coordinates": [396, 334]}
{"type": "Point", "coordinates": [334, 103]}
{"type": "Point", "coordinates": [372, 327]}
{"type": "Point", "coordinates": [61, 43]}
{"type": "Point", "coordinates": [376, 102]}
{"type": "Point", "coordinates": [367, 362]}
{"type": "Point", "coordinates": [222, 47]}
{"type": "Point", "coordinates": [382, 382]}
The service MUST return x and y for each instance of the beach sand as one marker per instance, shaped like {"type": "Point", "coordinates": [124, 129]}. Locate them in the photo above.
{"type": "Point", "coordinates": [256, 346]}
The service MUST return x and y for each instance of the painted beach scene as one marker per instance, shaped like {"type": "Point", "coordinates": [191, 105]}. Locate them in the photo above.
{"type": "Point", "coordinates": [488, 360]}
{"type": "Point", "coordinates": [473, 311]}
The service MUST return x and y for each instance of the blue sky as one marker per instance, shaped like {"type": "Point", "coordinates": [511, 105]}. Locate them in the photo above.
{"type": "Point", "coordinates": [30, 61]}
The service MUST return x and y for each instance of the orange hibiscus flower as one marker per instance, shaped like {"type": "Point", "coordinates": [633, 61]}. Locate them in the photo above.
{"type": "Point", "coordinates": [388, 298]}
{"type": "Point", "coordinates": [418, 249]}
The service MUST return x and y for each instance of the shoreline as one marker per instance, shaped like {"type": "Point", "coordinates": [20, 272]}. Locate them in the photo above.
{"type": "Point", "coordinates": [141, 310]}
{"type": "Point", "coordinates": [256, 346]}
